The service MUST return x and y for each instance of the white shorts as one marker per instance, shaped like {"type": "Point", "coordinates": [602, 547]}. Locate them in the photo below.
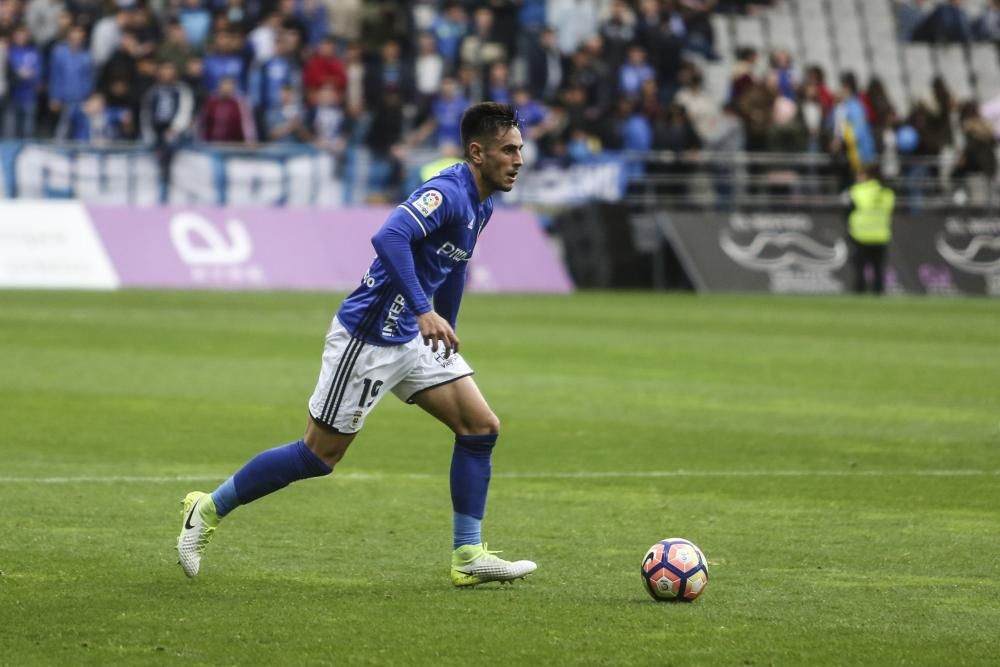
{"type": "Point", "coordinates": [355, 376]}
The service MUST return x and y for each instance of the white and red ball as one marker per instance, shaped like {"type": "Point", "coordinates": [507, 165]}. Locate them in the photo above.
{"type": "Point", "coordinates": [674, 569]}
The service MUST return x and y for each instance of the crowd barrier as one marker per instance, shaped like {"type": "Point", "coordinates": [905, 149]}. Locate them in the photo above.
{"type": "Point", "coordinates": [269, 175]}
{"type": "Point", "coordinates": [810, 252]}
{"type": "Point", "coordinates": [52, 244]}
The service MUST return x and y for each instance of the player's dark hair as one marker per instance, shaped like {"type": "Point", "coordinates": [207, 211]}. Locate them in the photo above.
{"type": "Point", "coordinates": [481, 122]}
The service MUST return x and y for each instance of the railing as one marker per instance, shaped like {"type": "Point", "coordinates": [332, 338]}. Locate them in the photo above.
{"type": "Point", "coordinates": [277, 175]}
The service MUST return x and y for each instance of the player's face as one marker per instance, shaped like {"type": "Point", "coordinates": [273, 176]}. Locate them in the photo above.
{"type": "Point", "coordinates": [502, 160]}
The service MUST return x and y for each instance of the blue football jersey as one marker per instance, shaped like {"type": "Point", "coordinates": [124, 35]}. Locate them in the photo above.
{"type": "Point", "coordinates": [443, 219]}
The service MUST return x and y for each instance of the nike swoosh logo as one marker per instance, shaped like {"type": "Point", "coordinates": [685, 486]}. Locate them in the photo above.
{"type": "Point", "coordinates": [187, 521]}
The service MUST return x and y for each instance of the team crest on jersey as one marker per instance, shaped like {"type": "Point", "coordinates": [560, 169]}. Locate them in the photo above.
{"type": "Point", "coordinates": [428, 202]}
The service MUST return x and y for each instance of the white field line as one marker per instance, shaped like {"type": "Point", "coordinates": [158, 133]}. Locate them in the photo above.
{"type": "Point", "coordinates": [642, 474]}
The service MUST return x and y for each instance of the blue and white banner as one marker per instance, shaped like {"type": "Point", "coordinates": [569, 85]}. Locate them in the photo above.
{"type": "Point", "coordinates": [126, 175]}
{"type": "Point", "coordinates": [271, 175]}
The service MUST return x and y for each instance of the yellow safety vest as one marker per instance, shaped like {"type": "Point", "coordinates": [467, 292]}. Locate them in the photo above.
{"type": "Point", "coordinates": [871, 220]}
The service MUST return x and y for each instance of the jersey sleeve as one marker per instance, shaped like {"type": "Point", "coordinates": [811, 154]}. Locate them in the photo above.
{"type": "Point", "coordinates": [429, 207]}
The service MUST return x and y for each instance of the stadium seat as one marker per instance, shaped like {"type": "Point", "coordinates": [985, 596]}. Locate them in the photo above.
{"type": "Point", "coordinates": [985, 66]}
{"type": "Point", "coordinates": [952, 66]}
{"type": "Point", "coordinates": [750, 32]}
{"type": "Point", "coordinates": [919, 67]}
{"type": "Point", "coordinates": [782, 33]}
{"type": "Point", "coordinates": [723, 35]}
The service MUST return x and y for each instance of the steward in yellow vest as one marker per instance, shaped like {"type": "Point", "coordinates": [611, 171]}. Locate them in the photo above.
{"type": "Point", "coordinates": [869, 223]}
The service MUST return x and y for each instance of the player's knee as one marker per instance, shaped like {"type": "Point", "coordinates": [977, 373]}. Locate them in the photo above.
{"type": "Point", "coordinates": [329, 446]}
{"type": "Point", "coordinates": [488, 424]}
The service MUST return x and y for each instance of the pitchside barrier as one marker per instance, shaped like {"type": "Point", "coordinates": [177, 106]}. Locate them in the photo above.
{"type": "Point", "coordinates": [53, 244]}
{"type": "Point", "coordinates": [803, 252]}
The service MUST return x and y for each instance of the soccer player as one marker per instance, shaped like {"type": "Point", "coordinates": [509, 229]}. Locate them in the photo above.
{"type": "Point", "coordinates": [387, 337]}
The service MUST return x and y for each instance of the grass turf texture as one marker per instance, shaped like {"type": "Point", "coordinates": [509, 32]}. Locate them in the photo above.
{"type": "Point", "coordinates": [842, 479]}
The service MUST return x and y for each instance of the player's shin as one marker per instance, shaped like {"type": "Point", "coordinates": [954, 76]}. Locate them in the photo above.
{"type": "Point", "coordinates": [470, 481]}
{"type": "Point", "coordinates": [266, 473]}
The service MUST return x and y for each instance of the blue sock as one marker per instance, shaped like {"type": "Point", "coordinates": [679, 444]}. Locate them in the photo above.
{"type": "Point", "coordinates": [470, 482]}
{"type": "Point", "coordinates": [266, 473]}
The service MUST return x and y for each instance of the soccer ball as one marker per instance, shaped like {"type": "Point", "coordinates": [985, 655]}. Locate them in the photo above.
{"type": "Point", "coordinates": [674, 569]}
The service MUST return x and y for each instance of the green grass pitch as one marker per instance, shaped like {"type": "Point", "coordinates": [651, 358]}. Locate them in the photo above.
{"type": "Point", "coordinates": [837, 459]}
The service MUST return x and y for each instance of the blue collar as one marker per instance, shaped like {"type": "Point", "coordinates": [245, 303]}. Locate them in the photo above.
{"type": "Point", "coordinates": [470, 185]}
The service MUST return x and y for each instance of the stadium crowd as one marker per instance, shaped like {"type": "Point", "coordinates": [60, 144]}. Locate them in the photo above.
{"type": "Point", "coordinates": [587, 76]}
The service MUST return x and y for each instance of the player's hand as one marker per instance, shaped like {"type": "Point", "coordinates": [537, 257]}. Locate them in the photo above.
{"type": "Point", "coordinates": [435, 329]}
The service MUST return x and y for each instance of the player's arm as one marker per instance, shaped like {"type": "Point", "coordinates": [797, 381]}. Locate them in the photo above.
{"type": "Point", "coordinates": [393, 244]}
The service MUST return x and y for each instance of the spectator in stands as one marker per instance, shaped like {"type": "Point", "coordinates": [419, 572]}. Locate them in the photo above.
{"type": "Point", "coordinates": [852, 135]}
{"type": "Point", "coordinates": [227, 117]}
{"type": "Point", "coordinates": [165, 117]}
{"type": "Point", "coordinates": [291, 19]}
{"type": "Point", "coordinates": [146, 29]}
{"type": "Point", "coordinates": [498, 83]}
{"type": "Point", "coordinates": [42, 19]}
{"type": "Point", "coordinates": [196, 21]}
{"type": "Point", "coordinates": [106, 36]}
{"type": "Point", "coordinates": [781, 67]}
{"type": "Point", "coordinates": [946, 23]}
{"type": "Point", "coordinates": [444, 122]}
{"type": "Point", "coordinates": [628, 130]}
{"type": "Point", "coordinates": [634, 72]}
{"type": "Point", "coordinates": [428, 71]}
{"type": "Point", "coordinates": [385, 144]}
{"type": "Point", "coordinates": [530, 113]}
{"type": "Point", "coordinates": [979, 156]}
{"type": "Point", "coordinates": [237, 16]}
{"type": "Point", "coordinates": [787, 132]}
{"type": "Point", "coordinates": [71, 79]}
{"type": "Point", "coordinates": [268, 80]}
{"type": "Point", "coordinates": [581, 147]}
{"type": "Point", "coordinates": [24, 61]}
{"type": "Point", "coordinates": [702, 110]}
{"type": "Point", "coordinates": [286, 121]}
{"type": "Point", "coordinates": [223, 61]}
{"type": "Point", "coordinates": [329, 122]}
{"type": "Point", "coordinates": [882, 114]}
{"type": "Point", "coordinates": [551, 134]}
{"type": "Point", "coordinates": [545, 67]}
{"type": "Point", "coordinates": [589, 70]}
{"type": "Point", "coordinates": [324, 68]}
{"type": "Point", "coordinates": [314, 15]}
{"type": "Point", "coordinates": [743, 76]}
{"type": "Point", "coordinates": [122, 65]}
{"type": "Point", "coordinates": [942, 110]}
{"type": "Point", "coordinates": [700, 36]}
{"type": "Point", "coordinates": [175, 47]}
{"type": "Point", "coordinates": [96, 123]}
{"type": "Point", "coordinates": [663, 48]}
{"type": "Point", "coordinates": [449, 28]}
{"type": "Point", "coordinates": [354, 68]}
{"type": "Point", "coordinates": [263, 38]}
{"type": "Point", "coordinates": [531, 16]}
{"type": "Point", "coordinates": [389, 72]}
{"type": "Point", "coordinates": [814, 118]}
{"type": "Point", "coordinates": [987, 24]}
{"type": "Point", "coordinates": [816, 77]}
{"type": "Point", "coordinates": [910, 15]}
{"type": "Point", "coordinates": [649, 103]}
{"type": "Point", "coordinates": [756, 106]}
{"type": "Point", "coordinates": [618, 33]}
{"type": "Point", "coordinates": [482, 46]}
{"type": "Point", "coordinates": [673, 132]}
{"type": "Point", "coordinates": [727, 142]}
{"type": "Point", "coordinates": [575, 20]}
{"type": "Point", "coordinates": [345, 21]}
